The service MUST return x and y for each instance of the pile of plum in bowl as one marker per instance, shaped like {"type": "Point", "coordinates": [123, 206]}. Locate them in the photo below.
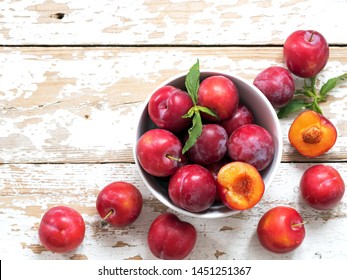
{"type": "Point", "coordinates": [208, 143]}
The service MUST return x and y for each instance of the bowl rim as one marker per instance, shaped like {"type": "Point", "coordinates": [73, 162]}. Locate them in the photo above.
{"type": "Point", "coordinates": [208, 213]}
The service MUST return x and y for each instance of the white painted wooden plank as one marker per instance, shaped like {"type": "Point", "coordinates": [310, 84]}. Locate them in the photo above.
{"type": "Point", "coordinates": [81, 104]}
{"type": "Point", "coordinates": [167, 22]}
{"type": "Point", "coordinates": [27, 191]}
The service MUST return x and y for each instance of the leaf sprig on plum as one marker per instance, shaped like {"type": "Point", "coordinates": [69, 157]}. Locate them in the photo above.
{"type": "Point", "coordinates": [192, 83]}
{"type": "Point", "coordinates": [309, 97]}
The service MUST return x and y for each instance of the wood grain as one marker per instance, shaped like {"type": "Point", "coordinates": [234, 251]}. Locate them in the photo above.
{"type": "Point", "coordinates": [73, 77]}
{"type": "Point", "coordinates": [104, 22]}
{"type": "Point", "coordinates": [28, 190]}
{"type": "Point", "coordinates": [74, 104]}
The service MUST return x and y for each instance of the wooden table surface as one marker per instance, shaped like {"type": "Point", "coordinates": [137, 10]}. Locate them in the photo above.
{"type": "Point", "coordinates": [73, 75]}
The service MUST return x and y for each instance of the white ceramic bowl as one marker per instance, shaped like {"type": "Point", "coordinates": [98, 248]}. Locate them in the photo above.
{"type": "Point", "coordinates": [264, 115]}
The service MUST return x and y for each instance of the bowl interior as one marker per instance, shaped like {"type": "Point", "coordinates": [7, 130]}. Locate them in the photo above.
{"type": "Point", "coordinates": [264, 115]}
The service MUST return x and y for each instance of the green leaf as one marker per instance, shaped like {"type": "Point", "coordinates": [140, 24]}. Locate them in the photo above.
{"type": "Point", "coordinates": [292, 106]}
{"type": "Point", "coordinates": [207, 111]}
{"type": "Point", "coordinates": [192, 82]}
{"type": "Point", "coordinates": [331, 83]}
{"type": "Point", "coordinates": [194, 132]}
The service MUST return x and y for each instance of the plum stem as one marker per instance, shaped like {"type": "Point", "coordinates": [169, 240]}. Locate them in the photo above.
{"type": "Point", "coordinates": [173, 158]}
{"type": "Point", "coordinates": [103, 221]}
{"type": "Point", "coordinates": [300, 224]}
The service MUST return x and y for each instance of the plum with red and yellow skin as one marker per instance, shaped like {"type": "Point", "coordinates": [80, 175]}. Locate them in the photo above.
{"type": "Point", "coordinates": [281, 230]}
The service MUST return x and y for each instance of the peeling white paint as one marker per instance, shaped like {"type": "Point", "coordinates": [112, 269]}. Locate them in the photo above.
{"type": "Point", "coordinates": [71, 105]}
{"type": "Point", "coordinates": [104, 130]}
{"type": "Point", "coordinates": [78, 105]}
{"type": "Point", "coordinates": [143, 22]}
{"type": "Point", "coordinates": [78, 187]}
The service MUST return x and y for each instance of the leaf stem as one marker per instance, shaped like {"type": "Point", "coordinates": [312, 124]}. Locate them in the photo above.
{"type": "Point", "coordinates": [313, 84]}
{"type": "Point", "coordinates": [310, 91]}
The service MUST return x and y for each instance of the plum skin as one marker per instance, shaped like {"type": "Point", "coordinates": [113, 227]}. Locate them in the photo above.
{"type": "Point", "coordinates": [166, 107]}
{"type": "Point", "coordinates": [277, 84]}
{"type": "Point", "coordinates": [305, 52]}
{"type": "Point", "coordinates": [192, 188]}
{"type": "Point", "coordinates": [61, 229]}
{"type": "Point", "coordinates": [253, 144]}
{"type": "Point", "coordinates": [219, 94]}
{"type": "Point", "coordinates": [123, 200]}
{"type": "Point", "coordinates": [170, 238]}
{"type": "Point", "coordinates": [322, 187]}
{"type": "Point", "coordinates": [281, 229]}
{"type": "Point", "coordinates": [211, 146]}
{"type": "Point", "coordinates": [159, 152]}
{"type": "Point", "coordinates": [241, 117]}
